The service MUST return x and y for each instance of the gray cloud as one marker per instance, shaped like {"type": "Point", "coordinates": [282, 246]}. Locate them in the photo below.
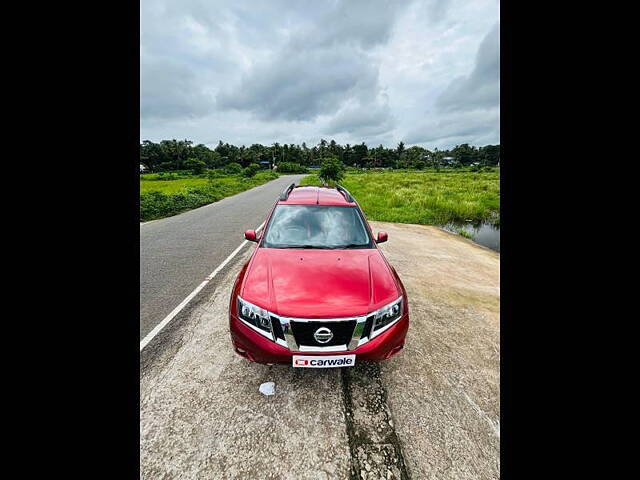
{"type": "Point", "coordinates": [294, 71]}
{"type": "Point", "coordinates": [172, 91]}
{"type": "Point", "coordinates": [321, 67]}
{"type": "Point", "coordinates": [438, 10]}
{"type": "Point", "coordinates": [458, 127]}
{"type": "Point", "coordinates": [468, 110]}
{"type": "Point", "coordinates": [302, 86]}
{"type": "Point", "coordinates": [480, 89]}
{"type": "Point", "coordinates": [364, 23]}
{"type": "Point", "coordinates": [362, 120]}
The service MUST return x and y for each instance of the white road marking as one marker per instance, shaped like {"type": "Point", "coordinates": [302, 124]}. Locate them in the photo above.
{"type": "Point", "coordinates": [145, 341]}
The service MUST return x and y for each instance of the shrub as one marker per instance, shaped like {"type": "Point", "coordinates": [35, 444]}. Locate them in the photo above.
{"type": "Point", "coordinates": [331, 170]}
{"type": "Point", "coordinates": [214, 173]}
{"type": "Point", "coordinates": [251, 170]}
{"type": "Point", "coordinates": [167, 176]}
{"type": "Point", "coordinates": [290, 167]}
{"type": "Point", "coordinates": [232, 169]}
{"type": "Point", "coordinates": [419, 164]}
{"type": "Point", "coordinates": [154, 205]}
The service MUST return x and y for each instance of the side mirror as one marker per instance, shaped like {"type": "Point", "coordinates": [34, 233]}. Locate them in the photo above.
{"type": "Point", "coordinates": [382, 237]}
{"type": "Point", "coordinates": [251, 235]}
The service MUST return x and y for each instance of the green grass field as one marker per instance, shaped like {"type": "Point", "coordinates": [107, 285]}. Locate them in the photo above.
{"type": "Point", "coordinates": [425, 197]}
{"type": "Point", "coordinates": [163, 198]}
{"type": "Point", "coordinates": [176, 186]}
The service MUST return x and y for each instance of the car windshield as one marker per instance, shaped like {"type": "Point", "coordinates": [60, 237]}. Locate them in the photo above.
{"type": "Point", "coordinates": [316, 226]}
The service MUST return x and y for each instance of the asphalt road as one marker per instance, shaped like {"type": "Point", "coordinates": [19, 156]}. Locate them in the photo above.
{"type": "Point", "coordinates": [431, 411]}
{"type": "Point", "coordinates": [177, 253]}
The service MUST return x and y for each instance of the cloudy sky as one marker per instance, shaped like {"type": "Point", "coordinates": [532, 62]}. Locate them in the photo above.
{"type": "Point", "coordinates": [425, 72]}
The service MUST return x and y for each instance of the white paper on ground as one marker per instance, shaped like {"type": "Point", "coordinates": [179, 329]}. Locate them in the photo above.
{"type": "Point", "coordinates": [268, 388]}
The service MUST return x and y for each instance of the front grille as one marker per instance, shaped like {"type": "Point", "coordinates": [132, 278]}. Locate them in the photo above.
{"type": "Point", "coordinates": [342, 332]}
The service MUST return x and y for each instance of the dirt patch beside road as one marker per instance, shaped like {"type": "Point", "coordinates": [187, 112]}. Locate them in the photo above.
{"type": "Point", "coordinates": [432, 411]}
{"type": "Point", "coordinates": [444, 389]}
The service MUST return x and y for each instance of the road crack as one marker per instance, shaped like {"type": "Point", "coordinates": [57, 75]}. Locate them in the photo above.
{"type": "Point", "coordinates": [373, 443]}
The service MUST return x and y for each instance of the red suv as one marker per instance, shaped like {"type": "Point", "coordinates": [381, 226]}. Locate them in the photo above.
{"type": "Point", "coordinates": [317, 291]}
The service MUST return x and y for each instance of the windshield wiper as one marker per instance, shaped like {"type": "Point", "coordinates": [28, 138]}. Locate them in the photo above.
{"type": "Point", "coordinates": [301, 246]}
{"type": "Point", "coordinates": [350, 245]}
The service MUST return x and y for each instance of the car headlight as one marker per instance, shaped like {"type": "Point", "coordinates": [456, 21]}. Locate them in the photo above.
{"type": "Point", "coordinates": [386, 316]}
{"type": "Point", "coordinates": [254, 315]}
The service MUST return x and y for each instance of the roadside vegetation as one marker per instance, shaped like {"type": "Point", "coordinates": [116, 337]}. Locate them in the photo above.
{"type": "Point", "coordinates": [163, 195]}
{"type": "Point", "coordinates": [427, 197]}
{"type": "Point", "coordinates": [407, 185]}
{"type": "Point", "coordinates": [463, 233]}
{"type": "Point", "coordinates": [289, 167]}
{"type": "Point", "coordinates": [169, 155]}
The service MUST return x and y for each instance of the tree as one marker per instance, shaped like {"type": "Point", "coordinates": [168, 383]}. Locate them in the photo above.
{"type": "Point", "coordinates": [360, 152]}
{"type": "Point", "coordinates": [228, 153]}
{"type": "Point", "coordinates": [151, 155]}
{"type": "Point", "coordinates": [413, 157]}
{"type": "Point", "coordinates": [195, 165]}
{"type": "Point", "coordinates": [176, 152]}
{"type": "Point", "coordinates": [465, 154]}
{"type": "Point", "coordinates": [331, 170]}
{"type": "Point", "coordinates": [166, 155]}
{"type": "Point", "coordinates": [169, 155]}
{"type": "Point", "coordinates": [248, 156]}
{"type": "Point", "coordinates": [490, 155]}
{"type": "Point", "coordinates": [436, 159]}
{"type": "Point", "coordinates": [210, 157]}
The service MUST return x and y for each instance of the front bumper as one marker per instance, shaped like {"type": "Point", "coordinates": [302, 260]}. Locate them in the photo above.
{"type": "Point", "coordinates": [257, 348]}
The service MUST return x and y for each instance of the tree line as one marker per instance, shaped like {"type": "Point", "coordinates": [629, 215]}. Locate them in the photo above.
{"type": "Point", "coordinates": [183, 154]}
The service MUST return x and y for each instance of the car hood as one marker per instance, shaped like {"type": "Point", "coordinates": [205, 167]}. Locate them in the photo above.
{"type": "Point", "coordinates": [319, 283]}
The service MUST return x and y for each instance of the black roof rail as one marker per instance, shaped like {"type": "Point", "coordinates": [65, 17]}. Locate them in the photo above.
{"type": "Point", "coordinates": [285, 193]}
{"type": "Point", "coordinates": [345, 192]}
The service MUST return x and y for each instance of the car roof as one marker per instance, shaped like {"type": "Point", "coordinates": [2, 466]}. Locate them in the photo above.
{"type": "Point", "coordinates": [316, 196]}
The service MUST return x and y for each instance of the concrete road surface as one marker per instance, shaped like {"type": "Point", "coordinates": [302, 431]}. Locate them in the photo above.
{"type": "Point", "coordinates": [177, 253]}
{"type": "Point", "coordinates": [432, 411]}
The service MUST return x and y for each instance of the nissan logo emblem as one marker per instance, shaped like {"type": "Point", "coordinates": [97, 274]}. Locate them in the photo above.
{"type": "Point", "coordinates": [323, 335]}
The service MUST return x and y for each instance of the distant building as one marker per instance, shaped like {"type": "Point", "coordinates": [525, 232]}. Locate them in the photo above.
{"type": "Point", "coordinates": [266, 164]}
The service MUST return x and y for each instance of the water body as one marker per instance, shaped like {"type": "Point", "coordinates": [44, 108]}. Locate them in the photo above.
{"type": "Point", "coordinates": [483, 233]}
